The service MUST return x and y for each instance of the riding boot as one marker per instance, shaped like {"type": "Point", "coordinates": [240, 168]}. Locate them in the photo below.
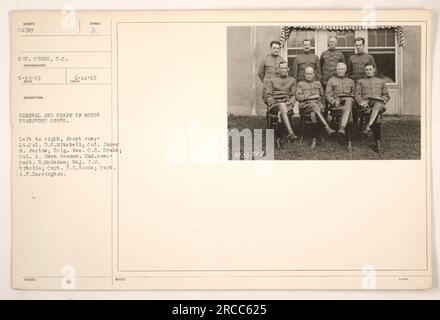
{"type": "Point", "coordinates": [291, 135]}
{"type": "Point", "coordinates": [327, 128]}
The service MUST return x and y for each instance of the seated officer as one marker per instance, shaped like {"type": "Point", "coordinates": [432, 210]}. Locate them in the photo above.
{"type": "Point", "coordinates": [371, 95]}
{"type": "Point", "coordinates": [340, 95]}
{"type": "Point", "coordinates": [310, 94]}
{"type": "Point", "coordinates": [279, 95]}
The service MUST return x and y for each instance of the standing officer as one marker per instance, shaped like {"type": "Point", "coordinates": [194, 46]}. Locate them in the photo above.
{"type": "Point", "coordinates": [304, 60]}
{"type": "Point", "coordinates": [311, 97]}
{"type": "Point", "coordinates": [279, 95]}
{"type": "Point", "coordinates": [356, 62]}
{"type": "Point", "coordinates": [371, 96]}
{"type": "Point", "coordinates": [340, 94]}
{"type": "Point", "coordinates": [356, 65]}
{"type": "Point", "coordinates": [269, 65]}
{"type": "Point", "coordinates": [329, 59]}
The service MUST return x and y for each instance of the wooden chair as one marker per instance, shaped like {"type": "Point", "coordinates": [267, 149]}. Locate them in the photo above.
{"type": "Point", "coordinates": [306, 120]}
{"type": "Point", "coordinates": [336, 116]}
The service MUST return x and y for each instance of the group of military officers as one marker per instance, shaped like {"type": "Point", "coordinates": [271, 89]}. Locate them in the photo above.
{"type": "Point", "coordinates": [350, 88]}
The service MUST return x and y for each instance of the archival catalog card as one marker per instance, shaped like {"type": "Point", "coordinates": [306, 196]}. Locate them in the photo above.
{"type": "Point", "coordinates": [221, 149]}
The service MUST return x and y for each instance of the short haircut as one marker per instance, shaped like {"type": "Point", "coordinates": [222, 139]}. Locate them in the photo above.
{"type": "Point", "coordinates": [274, 42]}
{"type": "Point", "coordinates": [306, 40]}
{"type": "Point", "coordinates": [309, 68]}
{"type": "Point", "coordinates": [343, 63]}
{"type": "Point", "coordinates": [332, 37]}
{"type": "Point", "coordinates": [282, 62]}
{"type": "Point", "coordinates": [359, 39]}
{"type": "Point", "coordinates": [369, 64]}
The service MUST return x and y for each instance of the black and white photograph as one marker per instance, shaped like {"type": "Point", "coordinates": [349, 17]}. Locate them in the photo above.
{"type": "Point", "coordinates": [324, 92]}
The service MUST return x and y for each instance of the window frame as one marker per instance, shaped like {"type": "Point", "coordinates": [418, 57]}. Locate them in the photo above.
{"type": "Point", "coordinates": [396, 52]}
{"type": "Point", "coordinates": [357, 33]}
{"type": "Point", "coordinates": [299, 48]}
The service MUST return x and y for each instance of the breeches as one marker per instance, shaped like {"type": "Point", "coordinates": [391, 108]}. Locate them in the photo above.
{"type": "Point", "coordinates": [311, 106]}
{"type": "Point", "coordinates": [281, 107]}
{"type": "Point", "coordinates": [372, 105]}
{"type": "Point", "coordinates": [345, 109]}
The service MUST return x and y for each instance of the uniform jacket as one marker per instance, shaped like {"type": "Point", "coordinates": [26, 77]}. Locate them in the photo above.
{"type": "Point", "coordinates": [306, 89]}
{"type": "Point", "coordinates": [301, 62]}
{"type": "Point", "coordinates": [337, 86]}
{"type": "Point", "coordinates": [329, 60]}
{"type": "Point", "coordinates": [371, 88]}
{"type": "Point", "coordinates": [268, 66]}
{"type": "Point", "coordinates": [356, 65]}
{"type": "Point", "coordinates": [279, 89]}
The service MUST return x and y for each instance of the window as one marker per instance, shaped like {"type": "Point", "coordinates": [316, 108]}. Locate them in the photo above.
{"type": "Point", "coordinates": [345, 41]}
{"type": "Point", "coordinates": [382, 46]}
{"type": "Point", "coordinates": [294, 44]}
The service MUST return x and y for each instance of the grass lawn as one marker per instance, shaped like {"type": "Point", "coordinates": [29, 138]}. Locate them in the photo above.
{"type": "Point", "coordinates": [400, 140]}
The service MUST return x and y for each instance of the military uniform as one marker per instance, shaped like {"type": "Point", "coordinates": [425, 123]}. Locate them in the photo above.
{"type": "Point", "coordinates": [301, 62]}
{"type": "Point", "coordinates": [268, 66]}
{"type": "Point", "coordinates": [304, 90]}
{"type": "Point", "coordinates": [356, 65]}
{"type": "Point", "coordinates": [312, 106]}
{"type": "Point", "coordinates": [372, 91]}
{"type": "Point", "coordinates": [371, 96]}
{"type": "Point", "coordinates": [341, 89]}
{"type": "Point", "coordinates": [329, 60]}
{"type": "Point", "coordinates": [279, 89]}
{"type": "Point", "coordinates": [279, 95]}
